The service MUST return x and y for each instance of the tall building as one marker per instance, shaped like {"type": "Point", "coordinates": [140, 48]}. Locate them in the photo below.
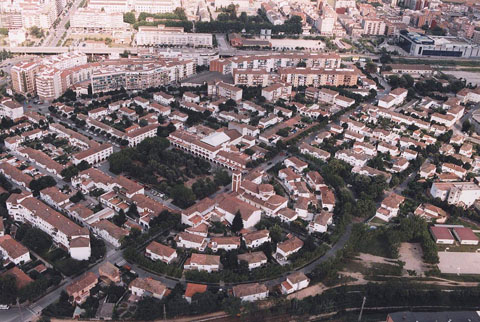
{"type": "Point", "coordinates": [373, 26]}
{"type": "Point", "coordinates": [23, 77]}
{"type": "Point", "coordinates": [326, 22]}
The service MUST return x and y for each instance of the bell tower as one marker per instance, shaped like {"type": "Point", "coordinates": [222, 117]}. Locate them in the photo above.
{"type": "Point", "coordinates": [236, 180]}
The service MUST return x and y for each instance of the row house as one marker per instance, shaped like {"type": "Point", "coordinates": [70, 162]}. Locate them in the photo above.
{"type": "Point", "coordinates": [54, 197]}
{"type": "Point", "coordinates": [109, 232]}
{"type": "Point", "coordinates": [15, 175]}
{"type": "Point", "coordinates": [41, 159]}
{"type": "Point", "coordinates": [64, 232]}
{"type": "Point", "coordinates": [91, 179]}
{"type": "Point", "coordinates": [314, 152]}
{"type": "Point", "coordinates": [352, 158]}
{"type": "Point", "coordinates": [137, 136]}
{"type": "Point", "coordinates": [94, 155]}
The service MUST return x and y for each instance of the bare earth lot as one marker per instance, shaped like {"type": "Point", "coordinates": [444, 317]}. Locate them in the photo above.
{"type": "Point", "coordinates": [411, 254]}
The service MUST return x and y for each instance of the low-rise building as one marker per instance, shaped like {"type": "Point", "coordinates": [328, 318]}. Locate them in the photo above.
{"type": "Point", "coordinates": [156, 251]}
{"type": "Point", "coordinates": [12, 251]}
{"type": "Point", "coordinates": [203, 262]}
{"type": "Point", "coordinates": [79, 290]}
{"type": "Point", "coordinates": [250, 292]}
{"type": "Point", "coordinates": [254, 259]}
{"type": "Point", "coordinates": [295, 282]}
{"type": "Point", "coordinates": [147, 286]}
{"type": "Point", "coordinates": [110, 232]}
{"type": "Point", "coordinates": [288, 247]}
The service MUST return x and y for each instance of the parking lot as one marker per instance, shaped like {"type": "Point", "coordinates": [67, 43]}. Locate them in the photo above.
{"type": "Point", "coordinates": [459, 262]}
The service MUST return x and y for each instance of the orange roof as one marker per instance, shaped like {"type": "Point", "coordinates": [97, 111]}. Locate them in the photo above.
{"type": "Point", "coordinates": [193, 289]}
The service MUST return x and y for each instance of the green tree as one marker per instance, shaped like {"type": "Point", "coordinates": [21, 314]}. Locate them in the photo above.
{"type": "Point", "coordinates": [129, 17]}
{"type": "Point", "coordinates": [37, 240]}
{"type": "Point", "coordinates": [371, 67]}
{"type": "Point", "coordinates": [8, 289]}
{"type": "Point", "coordinates": [237, 223]}
{"type": "Point", "coordinates": [120, 218]}
{"type": "Point", "coordinates": [182, 196]}
{"type": "Point", "coordinates": [132, 211]}
{"type": "Point", "coordinates": [42, 183]}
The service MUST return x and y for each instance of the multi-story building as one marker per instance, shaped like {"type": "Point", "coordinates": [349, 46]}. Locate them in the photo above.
{"type": "Point", "coordinates": [10, 108]}
{"type": "Point", "coordinates": [276, 91]}
{"type": "Point", "coordinates": [251, 77]}
{"type": "Point", "coordinates": [23, 77]}
{"type": "Point", "coordinates": [446, 46]}
{"type": "Point", "coordinates": [94, 154]}
{"type": "Point", "coordinates": [319, 76]}
{"type": "Point", "coordinates": [274, 61]}
{"type": "Point", "coordinates": [373, 26]}
{"type": "Point", "coordinates": [141, 134]}
{"type": "Point", "coordinates": [86, 20]}
{"type": "Point", "coordinates": [456, 193]}
{"type": "Point", "coordinates": [49, 84]}
{"type": "Point", "coordinates": [110, 6]}
{"type": "Point", "coordinates": [228, 91]}
{"type": "Point", "coordinates": [162, 35]}
{"type": "Point", "coordinates": [325, 24]}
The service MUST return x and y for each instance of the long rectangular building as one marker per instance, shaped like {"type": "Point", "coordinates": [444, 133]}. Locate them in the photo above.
{"type": "Point", "coordinates": [162, 35]}
{"type": "Point", "coordinates": [274, 61]}
{"type": "Point", "coordinates": [64, 232]}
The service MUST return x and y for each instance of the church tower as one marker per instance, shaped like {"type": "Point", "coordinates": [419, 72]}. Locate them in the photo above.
{"type": "Point", "coordinates": [236, 180]}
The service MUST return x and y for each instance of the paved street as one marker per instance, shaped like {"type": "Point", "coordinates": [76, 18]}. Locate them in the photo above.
{"type": "Point", "coordinates": [57, 32]}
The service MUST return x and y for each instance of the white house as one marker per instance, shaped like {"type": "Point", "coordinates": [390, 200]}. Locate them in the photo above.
{"type": "Point", "coordinates": [295, 282]}
{"type": "Point", "coordinates": [288, 247]}
{"type": "Point", "coordinates": [256, 238]}
{"type": "Point", "coordinates": [254, 259]}
{"type": "Point", "coordinates": [156, 251]}
{"type": "Point", "coordinates": [203, 262]}
{"type": "Point", "coordinates": [250, 292]}
{"type": "Point", "coordinates": [321, 222]}
{"type": "Point", "coordinates": [109, 232]}
{"type": "Point", "coordinates": [154, 288]}
{"type": "Point", "coordinates": [13, 251]}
